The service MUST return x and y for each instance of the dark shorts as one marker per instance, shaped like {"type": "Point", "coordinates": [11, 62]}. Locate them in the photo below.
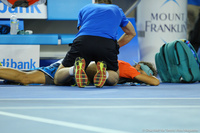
{"type": "Point", "coordinates": [48, 80]}
{"type": "Point", "coordinates": [49, 71]}
{"type": "Point", "coordinates": [93, 48]}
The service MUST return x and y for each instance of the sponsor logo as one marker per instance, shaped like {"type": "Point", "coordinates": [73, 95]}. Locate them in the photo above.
{"type": "Point", "coordinates": [18, 65]}
{"type": "Point", "coordinates": [178, 22]}
{"type": "Point", "coordinates": [175, 1]}
{"type": "Point", "coordinates": [167, 21]}
{"type": "Point", "coordinates": [32, 9]}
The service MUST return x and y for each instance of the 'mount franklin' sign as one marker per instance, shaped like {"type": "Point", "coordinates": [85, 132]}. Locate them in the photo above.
{"type": "Point", "coordinates": [166, 27]}
{"type": "Point", "coordinates": [158, 23]}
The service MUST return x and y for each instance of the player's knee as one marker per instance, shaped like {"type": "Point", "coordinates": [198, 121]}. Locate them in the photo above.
{"type": "Point", "coordinates": [56, 81]}
{"type": "Point", "coordinates": [112, 81]}
{"type": "Point", "coordinates": [113, 78]}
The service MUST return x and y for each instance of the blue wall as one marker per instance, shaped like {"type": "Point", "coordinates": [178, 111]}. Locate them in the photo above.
{"type": "Point", "coordinates": [60, 10]}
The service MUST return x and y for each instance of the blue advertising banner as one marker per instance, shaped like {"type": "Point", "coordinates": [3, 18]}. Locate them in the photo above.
{"type": "Point", "coordinates": [194, 2]}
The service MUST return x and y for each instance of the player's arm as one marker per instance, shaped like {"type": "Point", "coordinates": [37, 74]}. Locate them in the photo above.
{"type": "Point", "coordinates": [151, 80]}
{"type": "Point", "coordinates": [129, 34]}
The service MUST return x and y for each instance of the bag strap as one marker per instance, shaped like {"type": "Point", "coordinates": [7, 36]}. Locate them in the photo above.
{"type": "Point", "coordinates": [192, 50]}
{"type": "Point", "coordinates": [185, 47]}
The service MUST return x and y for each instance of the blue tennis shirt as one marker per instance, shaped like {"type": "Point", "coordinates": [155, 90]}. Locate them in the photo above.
{"type": "Point", "coordinates": [101, 20]}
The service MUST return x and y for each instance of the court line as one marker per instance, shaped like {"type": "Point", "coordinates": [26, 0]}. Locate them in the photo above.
{"type": "Point", "coordinates": [62, 123]}
{"type": "Point", "coordinates": [97, 107]}
{"type": "Point", "coordinates": [63, 99]}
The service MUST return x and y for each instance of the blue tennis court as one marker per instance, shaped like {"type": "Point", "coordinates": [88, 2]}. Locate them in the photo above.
{"type": "Point", "coordinates": [121, 109]}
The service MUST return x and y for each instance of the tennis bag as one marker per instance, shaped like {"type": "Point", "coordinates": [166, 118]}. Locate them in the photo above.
{"type": "Point", "coordinates": [178, 62]}
{"type": "Point", "coordinates": [4, 29]}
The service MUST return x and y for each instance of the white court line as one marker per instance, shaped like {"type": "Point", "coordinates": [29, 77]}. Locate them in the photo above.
{"type": "Point", "coordinates": [77, 99]}
{"type": "Point", "coordinates": [62, 123]}
{"type": "Point", "coordinates": [98, 107]}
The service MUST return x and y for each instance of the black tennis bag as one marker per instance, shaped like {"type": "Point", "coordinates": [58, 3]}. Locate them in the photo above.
{"type": "Point", "coordinates": [4, 29]}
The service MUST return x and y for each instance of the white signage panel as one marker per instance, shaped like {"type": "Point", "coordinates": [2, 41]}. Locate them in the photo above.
{"type": "Point", "coordinates": [20, 56]}
{"type": "Point", "coordinates": [158, 22]}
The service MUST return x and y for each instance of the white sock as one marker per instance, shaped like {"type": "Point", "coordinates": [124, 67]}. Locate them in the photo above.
{"type": "Point", "coordinates": [107, 74]}
{"type": "Point", "coordinates": [71, 71]}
